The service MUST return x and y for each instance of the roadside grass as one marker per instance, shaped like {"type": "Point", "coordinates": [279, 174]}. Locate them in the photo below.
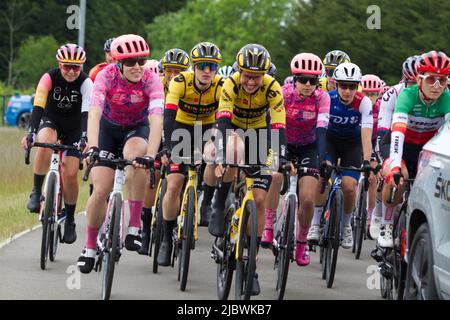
{"type": "Point", "coordinates": [16, 182]}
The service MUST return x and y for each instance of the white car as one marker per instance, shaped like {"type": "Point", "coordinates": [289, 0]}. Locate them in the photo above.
{"type": "Point", "coordinates": [428, 222]}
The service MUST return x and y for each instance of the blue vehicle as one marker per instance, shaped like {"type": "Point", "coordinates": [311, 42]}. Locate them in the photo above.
{"type": "Point", "coordinates": [18, 112]}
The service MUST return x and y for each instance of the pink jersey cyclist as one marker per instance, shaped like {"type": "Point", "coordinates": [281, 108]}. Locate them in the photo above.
{"type": "Point", "coordinates": [126, 103]}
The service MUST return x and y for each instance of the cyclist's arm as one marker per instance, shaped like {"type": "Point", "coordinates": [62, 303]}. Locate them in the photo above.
{"type": "Point", "coordinates": [386, 111]}
{"type": "Point", "coordinates": [40, 101]}
{"type": "Point", "coordinates": [86, 90]}
{"type": "Point", "coordinates": [278, 115]}
{"type": "Point", "coordinates": [156, 110]}
{"type": "Point", "coordinates": [323, 118]}
{"type": "Point", "coordinates": [176, 90]}
{"type": "Point", "coordinates": [365, 109]}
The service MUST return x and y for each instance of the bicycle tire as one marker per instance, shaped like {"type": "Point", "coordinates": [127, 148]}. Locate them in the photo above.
{"type": "Point", "coordinates": [360, 222]}
{"type": "Point", "coordinates": [286, 245]}
{"type": "Point", "coordinates": [157, 233]}
{"type": "Point", "coordinates": [111, 246]}
{"type": "Point", "coordinates": [46, 219]}
{"type": "Point", "coordinates": [246, 264]}
{"type": "Point", "coordinates": [333, 245]}
{"type": "Point", "coordinates": [55, 231]}
{"type": "Point", "coordinates": [399, 264]}
{"type": "Point", "coordinates": [227, 263]}
{"type": "Point", "coordinates": [187, 238]}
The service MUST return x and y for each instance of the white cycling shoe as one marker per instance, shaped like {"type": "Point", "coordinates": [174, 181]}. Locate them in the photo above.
{"type": "Point", "coordinates": [385, 239]}
{"type": "Point", "coordinates": [375, 225]}
{"type": "Point", "coordinates": [313, 234]}
{"type": "Point", "coordinates": [347, 241]}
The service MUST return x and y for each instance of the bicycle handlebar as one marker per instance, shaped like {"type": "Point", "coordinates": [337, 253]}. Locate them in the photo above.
{"type": "Point", "coordinates": [120, 163]}
{"type": "Point", "coordinates": [56, 147]}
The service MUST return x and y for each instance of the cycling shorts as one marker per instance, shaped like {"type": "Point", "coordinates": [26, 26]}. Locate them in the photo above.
{"type": "Point", "coordinates": [349, 150]}
{"type": "Point", "coordinates": [66, 133]}
{"type": "Point", "coordinates": [307, 156]}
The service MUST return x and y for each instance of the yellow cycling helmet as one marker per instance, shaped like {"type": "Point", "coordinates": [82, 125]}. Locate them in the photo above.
{"type": "Point", "coordinates": [253, 58]}
{"type": "Point", "coordinates": [176, 58]}
{"type": "Point", "coordinates": [205, 52]}
{"type": "Point", "coordinates": [335, 58]}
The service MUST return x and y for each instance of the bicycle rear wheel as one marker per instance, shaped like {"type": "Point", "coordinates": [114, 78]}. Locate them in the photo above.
{"type": "Point", "coordinates": [187, 238]}
{"type": "Point", "coordinates": [47, 220]}
{"type": "Point", "coordinates": [157, 233]}
{"type": "Point", "coordinates": [111, 245]}
{"type": "Point", "coordinates": [334, 237]}
{"type": "Point", "coordinates": [360, 220]}
{"type": "Point", "coordinates": [247, 245]}
{"type": "Point", "coordinates": [285, 246]}
{"type": "Point", "coordinates": [225, 267]}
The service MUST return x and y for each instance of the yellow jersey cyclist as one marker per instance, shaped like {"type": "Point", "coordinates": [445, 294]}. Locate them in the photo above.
{"type": "Point", "coordinates": [246, 98]}
{"type": "Point", "coordinates": [419, 113]}
{"type": "Point", "coordinates": [108, 59]}
{"type": "Point", "coordinates": [331, 61]}
{"type": "Point", "coordinates": [60, 112]}
{"type": "Point", "coordinates": [190, 105]}
{"type": "Point", "coordinates": [123, 97]}
{"type": "Point", "coordinates": [174, 61]}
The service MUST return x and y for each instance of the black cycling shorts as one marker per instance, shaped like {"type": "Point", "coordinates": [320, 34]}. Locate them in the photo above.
{"type": "Point", "coordinates": [112, 138]}
{"type": "Point", "coordinates": [349, 150]}
{"type": "Point", "coordinates": [66, 132]}
{"type": "Point", "coordinates": [307, 156]}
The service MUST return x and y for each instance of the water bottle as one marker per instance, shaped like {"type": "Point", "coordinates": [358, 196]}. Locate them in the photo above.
{"type": "Point", "coordinates": [235, 226]}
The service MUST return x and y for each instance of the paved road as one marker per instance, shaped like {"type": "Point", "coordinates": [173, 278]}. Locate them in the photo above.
{"type": "Point", "coordinates": [22, 278]}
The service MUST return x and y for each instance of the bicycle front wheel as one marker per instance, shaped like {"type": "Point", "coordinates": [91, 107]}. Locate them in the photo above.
{"type": "Point", "coordinates": [112, 242]}
{"type": "Point", "coordinates": [246, 259]}
{"type": "Point", "coordinates": [187, 238]}
{"type": "Point", "coordinates": [360, 220]}
{"type": "Point", "coordinates": [47, 220]}
{"type": "Point", "coordinates": [334, 237]}
{"type": "Point", "coordinates": [157, 233]}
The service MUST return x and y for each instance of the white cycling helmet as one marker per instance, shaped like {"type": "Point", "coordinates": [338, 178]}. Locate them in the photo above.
{"type": "Point", "coordinates": [347, 72]}
{"type": "Point", "coordinates": [226, 71]}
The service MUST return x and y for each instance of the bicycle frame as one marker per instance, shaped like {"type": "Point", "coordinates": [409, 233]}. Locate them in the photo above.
{"type": "Point", "coordinates": [292, 192]}
{"type": "Point", "coordinates": [336, 185]}
{"type": "Point", "coordinates": [55, 167]}
{"type": "Point", "coordinates": [191, 183]}
{"type": "Point", "coordinates": [249, 182]}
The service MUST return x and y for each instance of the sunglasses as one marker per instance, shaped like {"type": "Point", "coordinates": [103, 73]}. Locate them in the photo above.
{"type": "Point", "coordinates": [350, 86]}
{"type": "Point", "coordinates": [203, 65]}
{"type": "Point", "coordinates": [305, 79]}
{"type": "Point", "coordinates": [441, 81]}
{"type": "Point", "coordinates": [329, 72]}
{"type": "Point", "coordinates": [68, 67]}
{"type": "Point", "coordinates": [131, 62]}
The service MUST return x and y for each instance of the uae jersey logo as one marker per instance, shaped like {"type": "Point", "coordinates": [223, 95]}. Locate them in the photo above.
{"type": "Point", "coordinates": [65, 101]}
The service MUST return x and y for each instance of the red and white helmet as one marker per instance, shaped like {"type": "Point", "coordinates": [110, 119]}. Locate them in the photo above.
{"type": "Point", "coordinates": [436, 62]}
{"type": "Point", "coordinates": [129, 46]}
{"type": "Point", "coordinates": [371, 83]}
{"type": "Point", "coordinates": [409, 69]}
{"type": "Point", "coordinates": [306, 63]}
{"type": "Point", "coordinates": [152, 65]}
{"type": "Point", "coordinates": [71, 53]}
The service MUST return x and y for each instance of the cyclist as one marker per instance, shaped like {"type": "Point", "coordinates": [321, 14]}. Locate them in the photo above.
{"type": "Point", "coordinates": [60, 112]}
{"type": "Point", "coordinates": [349, 131]}
{"type": "Point", "coordinates": [226, 71]}
{"type": "Point", "coordinates": [193, 97]}
{"type": "Point", "coordinates": [307, 115]}
{"type": "Point", "coordinates": [419, 112]}
{"type": "Point", "coordinates": [160, 67]}
{"type": "Point", "coordinates": [152, 65]}
{"type": "Point", "coordinates": [331, 61]}
{"type": "Point", "coordinates": [409, 76]}
{"type": "Point", "coordinates": [272, 70]}
{"type": "Point", "coordinates": [108, 59]}
{"type": "Point", "coordinates": [174, 61]}
{"type": "Point", "coordinates": [124, 95]}
{"type": "Point", "coordinates": [372, 88]}
{"type": "Point", "coordinates": [246, 97]}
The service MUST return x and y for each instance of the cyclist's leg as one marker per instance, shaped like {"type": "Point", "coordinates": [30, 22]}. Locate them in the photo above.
{"type": "Point", "coordinates": [47, 134]}
{"type": "Point", "coordinates": [70, 181]}
{"type": "Point", "coordinates": [210, 181]}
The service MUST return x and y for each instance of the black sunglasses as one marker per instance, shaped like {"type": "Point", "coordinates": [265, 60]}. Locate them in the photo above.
{"type": "Point", "coordinates": [305, 79]}
{"type": "Point", "coordinates": [131, 62]}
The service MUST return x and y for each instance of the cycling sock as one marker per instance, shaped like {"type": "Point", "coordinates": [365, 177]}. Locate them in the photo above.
{"type": "Point", "coordinates": [270, 215]}
{"type": "Point", "coordinates": [168, 228]}
{"type": "Point", "coordinates": [347, 218]}
{"type": "Point", "coordinates": [70, 211]}
{"type": "Point", "coordinates": [135, 213]}
{"type": "Point", "coordinates": [317, 215]}
{"type": "Point", "coordinates": [208, 193]}
{"type": "Point", "coordinates": [222, 194]}
{"type": "Point", "coordinates": [91, 189]}
{"type": "Point", "coordinates": [38, 181]}
{"type": "Point", "coordinates": [91, 240]}
{"type": "Point", "coordinates": [302, 233]}
{"type": "Point", "coordinates": [146, 216]}
{"type": "Point", "coordinates": [388, 215]}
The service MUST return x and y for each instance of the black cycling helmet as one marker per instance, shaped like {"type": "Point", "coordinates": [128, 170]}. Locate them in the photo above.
{"type": "Point", "coordinates": [206, 52]}
{"type": "Point", "coordinates": [272, 71]}
{"type": "Point", "coordinates": [107, 45]}
{"type": "Point", "coordinates": [176, 58]}
{"type": "Point", "coordinates": [253, 58]}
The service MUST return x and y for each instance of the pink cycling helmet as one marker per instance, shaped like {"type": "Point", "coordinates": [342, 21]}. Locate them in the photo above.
{"type": "Point", "coordinates": [371, 83]}
{"type": "Point", "coordinates": [71, 53]}
{"type": "Point", "coordinates": [306, 63]}
{"type": "Point", "coordinates": [129, 46]}
{"type": "Point", "coordinates": [152, 65]}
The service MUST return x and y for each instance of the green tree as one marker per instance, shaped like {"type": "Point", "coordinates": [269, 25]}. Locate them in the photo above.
{"type": "Point", "coordinates": [36, 56]}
